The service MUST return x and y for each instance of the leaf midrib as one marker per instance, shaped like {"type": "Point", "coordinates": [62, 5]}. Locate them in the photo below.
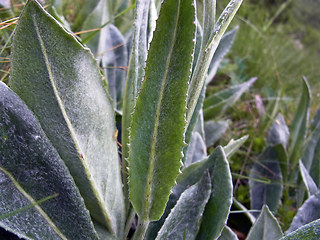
{"type": "Point", "coordinates": [69, 125]}
{"type": "Point", "coordinates": [148, 190]}
{"type": "Point", "coordinates": [33, 201]}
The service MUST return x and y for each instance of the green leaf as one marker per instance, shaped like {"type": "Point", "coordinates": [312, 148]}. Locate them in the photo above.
{"type": "Point", "coordinates": [309, 231]}
{"type": "Point", "coordinates": [209, 45]}
{"type": "Point", "coordinates": [156, 143]}
{"type": "Point", "coordinates": [227, 234]}
{"type": "Point", "coordinates": [233, 146]}
{"type": "Point", "coordinates": [133, 82]}
{"type": "Point", "coordinates": [308, 212]}
{"type": "Point", "coordinates": [31, 171]}
{"type": "Point", "coordinates": [214, 131]}
{"type": "Point", "coordinates": [261, 192]}
{"type": "Point", "coordinates": [222, 49]}
{"type": "Point", "coordinates": [184, 219]}
{"type": "Point", "coordinates": [217, 166]}
{"type": "Point", "coordinates": [299, 124]}
{"type": "Point", "coordinates": [307, 179]}
{"type": "Point", "coordinates": [216, 104]}
{"type": "Point", "coordinates": [60, 82]}
{"type": "Point", "coordinates": [266, 227]}
{"type": "Point", "coordinates": [218, 207]}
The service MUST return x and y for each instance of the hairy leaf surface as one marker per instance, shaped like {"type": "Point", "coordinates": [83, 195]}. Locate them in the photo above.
{"type": "Point", "coordinates": [158, 123]}
{"type": "Point", "coordinates": [309, 231]}
{"type": "Point", "coordinates": [30, 171]}
{"type": "Point", "coordinates": [308, 212]}
{"type": "Point", "coordinates": [184, 219]}
{"type": "Point", "coordinates": [60, 82]}
{"type": "Point", "coordinates": [266, 227]}
{"type": "Point", "coordinates": [218, 207]}
{"type": "Point", "coordinates": [134, 77]}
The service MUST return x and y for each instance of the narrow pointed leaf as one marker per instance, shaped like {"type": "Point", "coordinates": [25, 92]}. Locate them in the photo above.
{"type": "Point", "coordinates": [307, 179]}
{"type": "Point", "coordinates": [134, 77]}
{"type": "Point", "coordinates": [184, 219]}
{"type": "Point", "coordinates": [216, 104]}
{"type": "Point", "coordinates": [60, 82]}
{"type": "Point", "coordinates": [309, 231]}
{"type": "Point", "coordinates": [233, 146]}
{"type": "Point", "coordinates": [298, 127]}
{"type": "Point", "coordinates": [156, 143]}
{"type": "Point", "coordinates": [266, 227]}
{"type": "Point", "coordinates": [209, 46]}
{"type": "Point", "coordinates": [227, 234]}
{"type": "Point", "coordinates": [222, 49]}
{"type": "Point", "coordinates": [269, 190]}
{"type": "Point", "coordinates": [31, 170]}
{"type": "Point", "coordinates": [308, 212]}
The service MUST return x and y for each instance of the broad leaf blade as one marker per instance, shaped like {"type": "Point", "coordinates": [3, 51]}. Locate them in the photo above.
{"type": "Point", "coordinates": [308, 212]}
{"type": "Point", "coordinates": [156, 143]}
{"type": "Point", "coordinates": [218, 207]}
{"type": "Point", "coordinates": [298, 127]}
{"type": "Point", "coordinates": [266, 227]}
{"type": "Point", "coordinates": [184, 219]}
{"type": "Point", "coordinates": [266, 181]}
{"type": "Point", "coordinates": [60, 82]}
{"type": "Point", "coordinates": [190, 176]}
{"type": "Point", "coordinates": [31, 170]}
{"type": "Point", "coordinates": [309, 231]}
{"type": "Point", "coordinates": [216, 104]}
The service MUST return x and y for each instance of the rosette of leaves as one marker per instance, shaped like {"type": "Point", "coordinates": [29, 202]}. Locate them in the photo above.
{"type": "Point", "coordinates": [60, 172]}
